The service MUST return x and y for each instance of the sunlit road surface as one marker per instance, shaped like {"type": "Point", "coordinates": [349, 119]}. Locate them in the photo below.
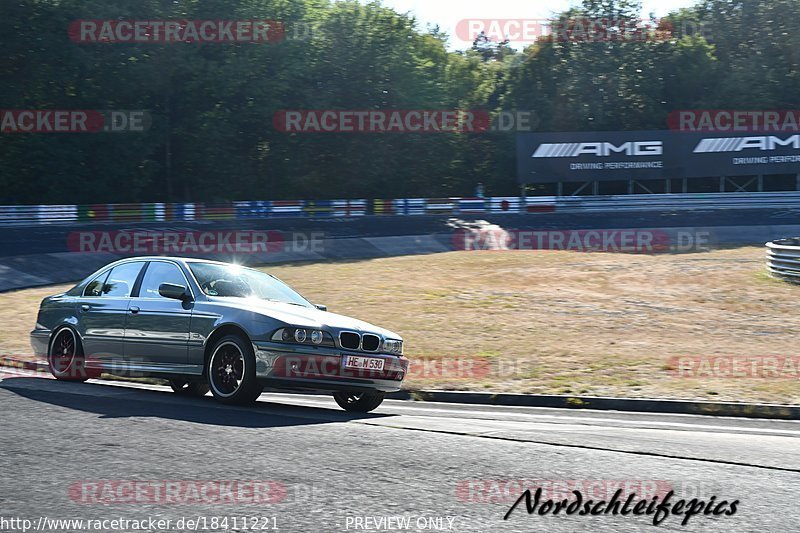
{"type": "Point", "coordinates": [448, 466]}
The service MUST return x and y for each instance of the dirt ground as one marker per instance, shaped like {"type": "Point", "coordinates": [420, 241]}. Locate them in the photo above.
{"type": "Point", "coordinates": [556, 322]}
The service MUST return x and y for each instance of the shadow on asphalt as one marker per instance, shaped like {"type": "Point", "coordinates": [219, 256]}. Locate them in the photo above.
{"type": "Point", "coordinates": [123, 402]}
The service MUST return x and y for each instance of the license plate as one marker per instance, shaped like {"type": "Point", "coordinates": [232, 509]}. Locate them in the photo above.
{"type": "Point", "coordinates": [358, 362]}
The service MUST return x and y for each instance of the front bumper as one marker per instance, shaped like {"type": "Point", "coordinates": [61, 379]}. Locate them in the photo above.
{"type": "Point", "coordinates": [284, 366]}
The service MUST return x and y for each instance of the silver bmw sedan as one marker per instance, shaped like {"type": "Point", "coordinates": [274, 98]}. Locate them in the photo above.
{"type": "Point", "coordinates": [205, 325]}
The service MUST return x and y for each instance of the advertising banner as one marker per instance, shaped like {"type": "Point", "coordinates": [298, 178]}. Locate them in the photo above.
{"type": "Point", "coordinates": [658, 154]}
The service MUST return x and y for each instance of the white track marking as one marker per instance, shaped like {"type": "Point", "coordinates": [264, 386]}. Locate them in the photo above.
{"type": "Point", "coordinates": [435, 412]}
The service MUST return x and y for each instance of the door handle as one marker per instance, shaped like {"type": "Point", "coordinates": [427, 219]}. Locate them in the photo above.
{"type": "Point", "coordinates": [133, 309]}
{"type": "Point", "coordinates": [85, 307]}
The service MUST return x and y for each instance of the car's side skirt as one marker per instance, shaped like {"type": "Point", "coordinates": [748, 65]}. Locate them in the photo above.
{"type": "Point", "coordinates": [150, 368]}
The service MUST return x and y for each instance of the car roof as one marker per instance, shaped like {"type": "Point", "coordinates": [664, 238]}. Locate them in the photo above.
{"type": "Point", "coordinates": [173, 258]}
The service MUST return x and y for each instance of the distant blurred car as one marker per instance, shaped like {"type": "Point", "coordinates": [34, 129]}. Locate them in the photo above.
{"type": "Point", "coordinates": [209, 325]}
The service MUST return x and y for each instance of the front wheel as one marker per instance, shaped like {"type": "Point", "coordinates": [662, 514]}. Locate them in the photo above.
{"type": "Point", "coordinates": [232, 371]}
{"type": "Point", "coordinates": [190, 388]}
{"type": "Point", "coordinates": [358, 402]}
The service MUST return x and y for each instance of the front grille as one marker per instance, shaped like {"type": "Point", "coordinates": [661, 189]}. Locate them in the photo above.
{"type": "Point", "coordinates": [370, 343]}
{"type": "Point", "coordinates": [349, 340]}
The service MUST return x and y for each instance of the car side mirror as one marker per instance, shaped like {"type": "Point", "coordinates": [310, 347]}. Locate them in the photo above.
{"type": "Point", "coordinates": [321, 307]}
{"type": "Point", "coordinates": [174, 291]}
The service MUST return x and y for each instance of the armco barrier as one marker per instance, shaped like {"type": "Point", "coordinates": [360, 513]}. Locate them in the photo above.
{"type": "Point", "coordinates": [783, 259]}
{"type": "Point", "coordinates": [654, 202]}
{"type": "Point", "coordinates": [160, 212]}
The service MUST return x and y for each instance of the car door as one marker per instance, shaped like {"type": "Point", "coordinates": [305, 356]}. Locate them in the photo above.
{"type": "Point", "coordinates": [103, 308]}
{"type": "Point", "coordinates": [157, 329]}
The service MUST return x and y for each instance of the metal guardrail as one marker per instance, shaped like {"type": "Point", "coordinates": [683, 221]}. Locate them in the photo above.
{"type": "Point", "coordinates": [711, 201]}
{"type": "Point", "coordinates": [783, 259]}
{"type": "Point", "coordinates": [23, 215]}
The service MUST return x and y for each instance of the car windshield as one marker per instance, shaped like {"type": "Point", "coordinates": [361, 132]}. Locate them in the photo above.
{"type": "Point", "coordinates": [239, 282]}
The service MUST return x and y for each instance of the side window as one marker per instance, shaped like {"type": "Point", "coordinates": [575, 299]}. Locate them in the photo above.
{"type": "Point", "coordinates": [95, 287]}
{"type": "Point", "coordinates": [158, 273]}
{"type": "Point", "coordinates": [121, 279]}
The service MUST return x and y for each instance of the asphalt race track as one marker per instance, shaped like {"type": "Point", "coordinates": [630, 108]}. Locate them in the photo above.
{"type": "Point", "coordinates": [26, 240]}
{"type": "Point", "coordinates": [407, 459]}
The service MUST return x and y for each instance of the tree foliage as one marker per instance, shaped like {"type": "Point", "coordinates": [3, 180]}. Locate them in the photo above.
{"type": "Point", "coordinates": [212, 105]}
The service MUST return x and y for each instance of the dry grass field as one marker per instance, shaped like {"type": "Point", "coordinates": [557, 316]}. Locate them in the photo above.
{"type": "Point", "coordinates": [552, 322]}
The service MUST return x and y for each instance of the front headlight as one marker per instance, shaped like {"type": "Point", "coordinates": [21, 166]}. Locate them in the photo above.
{"type": "Point", "coordinates": [314, 337]}
{"type": "Point", "coordinates": [393, 346]}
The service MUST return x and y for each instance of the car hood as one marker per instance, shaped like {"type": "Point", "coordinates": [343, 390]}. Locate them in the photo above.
{"type": "Point", "coordinates": [309, 317]}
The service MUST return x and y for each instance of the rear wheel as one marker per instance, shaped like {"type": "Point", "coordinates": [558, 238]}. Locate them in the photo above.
{"type": "Point", "coordinates": [65, 357]}
{"type": "Point", "coordinates": [190, 388]}
{"type": "Point", "coordinates": [232, 371]}
{"type": "Point", "coordinates": [363, 402]}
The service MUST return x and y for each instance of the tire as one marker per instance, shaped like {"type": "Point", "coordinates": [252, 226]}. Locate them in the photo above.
{"type": "Point", "coordinates": [189, 388]}
{"type": "Point", "coordinates": [65, 357]}
{"type": "Point", "coordinates": [231, 371]}
{"type": "Point", "coordinates": [358, 402]}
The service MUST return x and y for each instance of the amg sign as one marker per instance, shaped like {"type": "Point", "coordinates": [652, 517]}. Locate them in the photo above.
{"type": "Point", "coordinates": [739, 155]}
{"type": "Point", "coordinates": [601, 149]}
{"type": "Point", "coordinates": [737, 144]}
{"type": "Point", "coordinates": [586, 156]}
{"type": "Point", "coordinates": [623, 155]}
